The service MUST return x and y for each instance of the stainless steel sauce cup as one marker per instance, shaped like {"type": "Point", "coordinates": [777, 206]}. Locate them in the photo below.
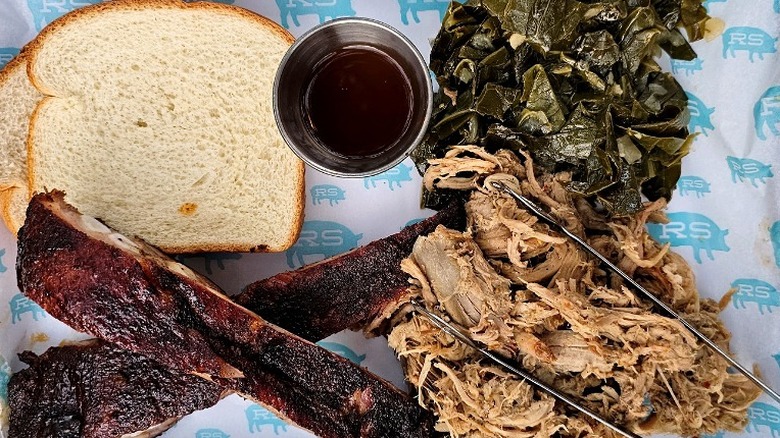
{"type": "Point", "coordinates": [296, 70]}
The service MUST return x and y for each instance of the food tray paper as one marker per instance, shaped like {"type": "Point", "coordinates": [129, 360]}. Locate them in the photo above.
{"type": "Point", "coordinates": [725, 215]}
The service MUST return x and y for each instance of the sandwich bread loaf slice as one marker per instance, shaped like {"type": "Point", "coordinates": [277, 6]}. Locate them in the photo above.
{"type": "Point", "coordinates": [158, 120]}
{"type": "Point", "coordinates": [18, 99]}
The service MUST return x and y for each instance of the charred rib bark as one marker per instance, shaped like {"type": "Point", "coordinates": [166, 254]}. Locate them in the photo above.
{"type": "Point", "coordinates": [344, 292]}
{"type": "Point", "coordinates": [128, 293]}
{"type": "Point", "coordinates": [93, 389]}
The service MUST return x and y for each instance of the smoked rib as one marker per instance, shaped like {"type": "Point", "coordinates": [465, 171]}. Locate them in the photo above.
{"type": "Point", "coordinates": [93, 389]}
{"type": "Point", "coordinates": [343, 292]}
{"type": "Point", "coordinates": [128, 293]}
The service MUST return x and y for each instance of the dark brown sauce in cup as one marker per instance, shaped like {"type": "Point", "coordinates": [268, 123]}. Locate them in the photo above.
{"type": "Point", "coordinates": [358, 101]}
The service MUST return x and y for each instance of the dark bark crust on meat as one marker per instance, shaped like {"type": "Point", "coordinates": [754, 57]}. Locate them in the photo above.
{"type": "Point", "coordinates": [347, 291]}
{"type": "Point", "coordinates": [95, 390]}
{"type": "Point", "coordinates": [151, 305]}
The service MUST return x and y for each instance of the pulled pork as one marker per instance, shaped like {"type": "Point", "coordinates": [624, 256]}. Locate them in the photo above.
{"type": "Point", "coordinates": [529, 294]}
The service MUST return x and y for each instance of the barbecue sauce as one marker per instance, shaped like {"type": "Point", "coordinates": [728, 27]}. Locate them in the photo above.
{"type": "Point", "coordinates": [359, 101]}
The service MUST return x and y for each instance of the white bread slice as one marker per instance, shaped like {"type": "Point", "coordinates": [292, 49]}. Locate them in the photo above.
{"type": "Point", "coordinates": [18, 99]}
{"type": "Point", "coordinates": [158, 120]}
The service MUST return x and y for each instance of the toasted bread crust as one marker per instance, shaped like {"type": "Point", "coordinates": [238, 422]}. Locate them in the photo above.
{"type": "Point", "coordinates": [6, 205]}
{"type": "Point", "coordinates": [5, 210]}
{"type": "Point", "coordinates": [30, 145]}
{"type": "Point", "coordinates": [92, 11]}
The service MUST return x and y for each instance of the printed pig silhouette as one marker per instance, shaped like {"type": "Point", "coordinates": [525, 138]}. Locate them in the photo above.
{"type": "Point", "coordinates": [412, 222]}
{"type": "Point", "coordinates": [701, 116]}
{"type": "Point", "coordinates": [691, 229]}
{"type": "Point", "coordinates": [2, 266]}
{"type": "Point", "coordinates": [5, 376]}
{"type": "Point", "coordinates": [20, 305]}
{"type": "Point", "coordinates": [750, 39]}
{"type": "Point", "coordinates": [322, 238]}
{"type": "Point", "coordinates": [258, 417]}
{"type": "Point", "coordinates": [322, 8]}
{"type": "Point", "coordinates": [416, 6]}
{"type": "Point", "coordinates": [693, 184]}
{"type": "Point", "coordinates": [7, 54]}
{"type": "Point", "coordinates": [394, 176]}
{"type": "Point", "coordinates": [209, 259]}
{"type": "Point", "coordinates": [762, 414]}
{"type": "Point", "coordinates": [211, 433]}
{"type": "Point", "coordinates": [750, 290]}
{"type": "Point", "coordinates": [327, 192]}
{"type": "Point", "coordinates": [689, 67]}
{"type": "Point", "coordinates": [45, 11]}
{"type": "Point", "coordinates": [774, 236]}
{"type": "Point", "coordinates": [776, 357]}
{"type": "Point", "coordinates": [343, 351]}
{"type": "Point", "coordinates": [777, 6]}
{"type": "Point", "coordinates": [753, 170]}
{"type": "Point", "coordinates": [766, 112]}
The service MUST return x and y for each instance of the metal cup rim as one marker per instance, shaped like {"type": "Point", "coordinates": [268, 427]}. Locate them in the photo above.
{"type": "Point", "coordinates": [298, 149]}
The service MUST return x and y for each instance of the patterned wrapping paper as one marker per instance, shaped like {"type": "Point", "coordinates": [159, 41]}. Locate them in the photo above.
{"type": "Point", "coordinates": [725, 218]}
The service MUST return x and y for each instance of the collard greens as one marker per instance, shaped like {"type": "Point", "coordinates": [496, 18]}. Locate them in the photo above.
{"type": "Point", "coordinates": [574, 83]}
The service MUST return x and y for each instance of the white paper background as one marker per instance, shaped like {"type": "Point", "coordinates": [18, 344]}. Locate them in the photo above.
{"type": "Point", "coordinates": [738, 194]}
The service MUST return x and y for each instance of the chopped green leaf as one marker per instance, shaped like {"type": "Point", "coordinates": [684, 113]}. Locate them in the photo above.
{"type": "Point", "coordinates": [573, 82]}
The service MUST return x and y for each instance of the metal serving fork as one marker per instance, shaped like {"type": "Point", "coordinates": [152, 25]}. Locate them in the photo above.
{"type": "Point", "coordinates": [537, 210]}
{"type": "Point", "coordinates": [506, 363]}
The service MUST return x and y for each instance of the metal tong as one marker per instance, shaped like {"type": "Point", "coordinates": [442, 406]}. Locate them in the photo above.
{"type": "Point", "coordinates": [537, 210]}
{"type": "Point", "coordinates": [462, 337]}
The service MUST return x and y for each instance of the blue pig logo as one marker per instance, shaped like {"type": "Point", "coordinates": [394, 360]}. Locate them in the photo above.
{"type": "Point", "coordinates": [762, 414]}
{"type": "Point", "coordinates": [745, 168]}
{"type": "Point", "coordinates": [46, 11]}
{"type": "Point", "coordinates": [322, 8]}
{"type": "Point", "coordinates": [693, 184]}
{"type": "Point", "coordinates": [7, 54]}
{"type": "Point", "coordinates": [343, 351]}
{"type": "Point", "coordinates": [750, 290]}
{"type": "Point", "coordinates": [20, 305]}
{"type": "Point", "coordinates": [691, 229]}
{"type": "Point", "coordinates": [2, 266]}
{"type": "Point", "coordinates": [689, 67]}
{"type": "Point", "coordinates": [774, 236]}
{"type": "Point", "coordinates": [706, 3]}
{"type": "Point", "coordinates": [322, 238]}
{"type": "Point", "coordinates": [777, 6]}
{"type": "Point", "coordinates": [767, 112]}
{"type": "Point", "coordinates": [5, 376]}
{"type": "Point", "coordinates": [701, 115]}
{"type": "Point", "coordinates": [257, 417]}
{"type": "Point", "coordinates": [394, 176]}
{"type": "Point", "coordinates": [750, 39]}
{"type": "Point", "coordinates": [209, 259]}
{"type": "Point", "coordinates": [415, 6]}
{"type": "Point", "coordinates": [327, 192]}
{"type": "Point", "coordinates": [776, 357]}
{"type": "Point", "coordinates": [412, 222]}
{"type": "Point", "coordinates": [211, 433]}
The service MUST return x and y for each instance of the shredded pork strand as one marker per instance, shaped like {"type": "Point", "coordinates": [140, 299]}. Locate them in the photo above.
{"type": "Point", "coordinates": [526, 292]}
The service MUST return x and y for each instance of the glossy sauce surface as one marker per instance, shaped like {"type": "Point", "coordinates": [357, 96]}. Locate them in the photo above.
{"type": "Point", "coordinates": [359, 101]}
